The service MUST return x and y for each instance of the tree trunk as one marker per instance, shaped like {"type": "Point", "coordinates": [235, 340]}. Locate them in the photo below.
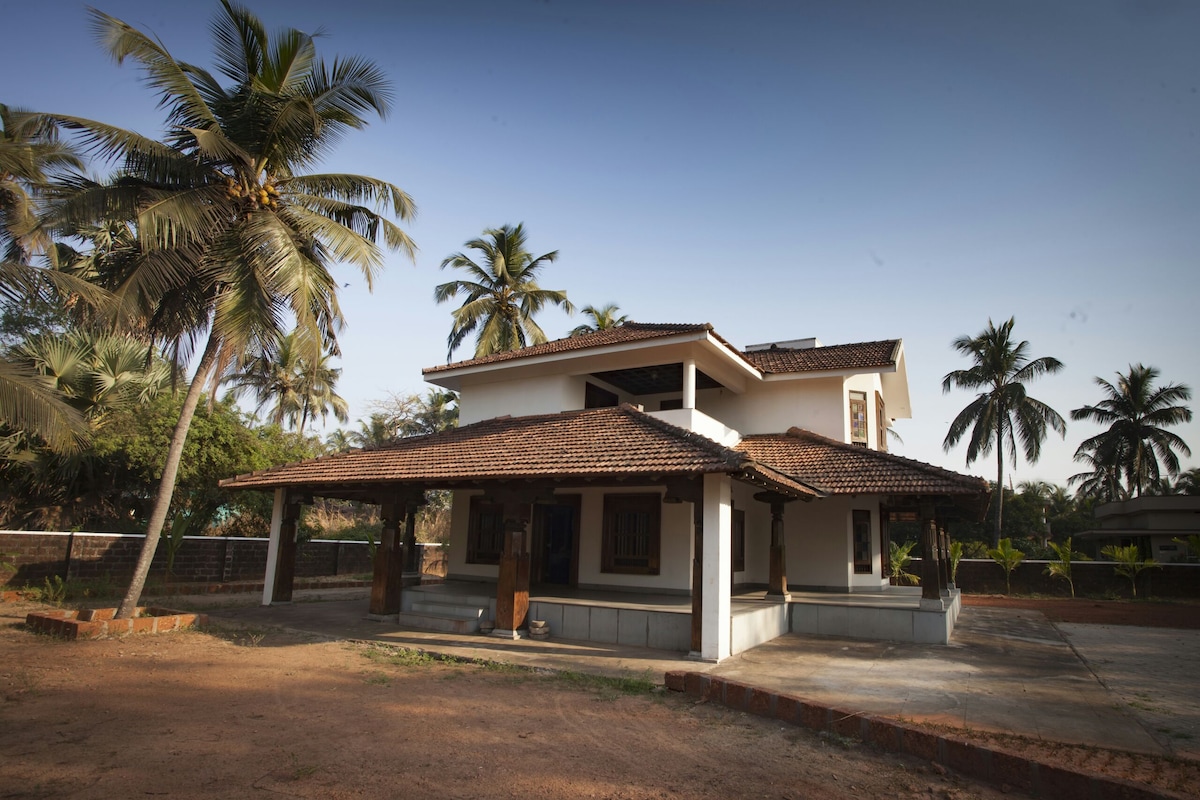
{"type": "Point", "coordinates": [166, 487]}
{"type": "Point", "coordinates": [999, 484]}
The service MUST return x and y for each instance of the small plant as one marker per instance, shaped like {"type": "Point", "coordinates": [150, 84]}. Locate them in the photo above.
{"type": "Point", "coordinates": [901, 558]}
{"type": "Point", "coordinates": [1129, 562]}
{"type": "Point", "coordinates": [1008, 557]}
{"type": "Point", "coordinates": [956, 555]}
{"type": "Point", "coordinates": [1060, 567]}
{"type": "Point", "coordinates": [54, 590]}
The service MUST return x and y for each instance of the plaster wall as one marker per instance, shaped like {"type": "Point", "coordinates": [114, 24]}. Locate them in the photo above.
{"type": "Point", "coordinates": [815, 404]}
{"type": "Point", "coordinates": [675, 544]}
{"type": "Point", "coordinates": [818, 543]}
{"type": "Point", "coordinates": [519, 398]}
{"type": "Point", "coordinates": [869, 384]}
{"type": "Point", "coordinates": [460, 513]}
{"type": "Point", "coordinates": [758, 535]}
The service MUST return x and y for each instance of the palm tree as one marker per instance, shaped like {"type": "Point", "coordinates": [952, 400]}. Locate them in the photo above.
{"type": "Point", "coordinates": [236, 237]}
{"type": "Point", "coordinates": [297, 378]}
{"type": "Point", "coordinates": [1188, 482]}
{"type": "Point", "coordinates": [502, 293]}
{"type": "Point", "coordinates": [30, 155]}
{"type": "Point", "coordinates": [1002, 412]}
{"type": "Point", "coordinates": [1102, 483]}
{"type": "Point", "coordinates": [1136, 413]}
{"type": "Point", "coordinates": [602, 319]}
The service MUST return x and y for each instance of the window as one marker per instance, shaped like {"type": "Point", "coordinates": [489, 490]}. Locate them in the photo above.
{"type": "Point", "coordinates": [739, 540]}
{"type": "Point", "coordinates": [858, 418]}
{"type": "Point", "coordinates": [862, 542]}
{"type": "Point", "coordinates": [485, 532]}
{"type": "Point", "coordinates": [881, 425]}
{"type": "Point", "coordinates": [631, 533]}
{"type": "Point", "coordinates": [597, 397]}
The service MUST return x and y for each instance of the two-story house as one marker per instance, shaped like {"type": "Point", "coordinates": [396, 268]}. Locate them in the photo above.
{"type": "Point", "coordinates": [656, 485]}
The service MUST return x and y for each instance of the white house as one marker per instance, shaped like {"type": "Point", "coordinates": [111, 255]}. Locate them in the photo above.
{"type": "Point", "coordinates": [614, 471]}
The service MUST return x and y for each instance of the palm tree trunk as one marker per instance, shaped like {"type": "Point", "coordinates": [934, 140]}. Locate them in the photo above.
{"type": "Point", "coordinates": [166, 487]}
{"type": "Point", "coordinates": [999, 484]}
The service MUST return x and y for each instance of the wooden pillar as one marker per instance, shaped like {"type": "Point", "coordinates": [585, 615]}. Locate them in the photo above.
{"type": "Point", "coordinates": [285, 563]}
{"type": "Point", "coordinates": [512, 584]}
{"type": "Point", "coordinates": [386, 585]}
{"type": "Point", "coordinates": [943, 559]}
{"type": "Point", "coordinates": [929, 557]}
{"type": "Point", "coordinates": [412, 553]}
{"type": "Point", "coordinates": [777, 574]}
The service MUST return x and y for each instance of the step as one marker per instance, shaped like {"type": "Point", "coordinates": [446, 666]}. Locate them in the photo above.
{"type": "Point", "coordinates": [429, 596]}
{"type": "Point", "coordinates": [437, 622]}
{"type": "Point", "coordinates": [455, 610]}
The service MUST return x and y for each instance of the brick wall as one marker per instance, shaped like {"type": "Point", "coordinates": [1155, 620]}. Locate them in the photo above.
{"type": "Point", "coordinates": [1092, 578]}
{"type": "Point", "coordinates": [35, 556]}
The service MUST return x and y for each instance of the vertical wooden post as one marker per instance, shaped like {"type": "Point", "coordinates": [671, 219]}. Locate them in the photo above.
{"type": "Point", "coordinates": [944, 559]}
{"type": "Point", "coordinates": [777, 572]}
{"type": "Point", "coordinates": [389, 563]}
{"type": "Point", "coordinates": [512, 583]}
{"type": "Point", "coordinates": [412, 553]}
{"type": "Point", "coordinates": [285, 564]}
{"type": "Point", "coordinates": [929, 558]}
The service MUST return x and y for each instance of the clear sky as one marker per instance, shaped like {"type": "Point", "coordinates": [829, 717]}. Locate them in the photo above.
{"type": "Point", "coordinates": [852, 171]}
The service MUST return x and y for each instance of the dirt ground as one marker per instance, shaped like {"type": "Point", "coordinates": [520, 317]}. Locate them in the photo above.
{"type": "Point", "coordinates": [263, 713]}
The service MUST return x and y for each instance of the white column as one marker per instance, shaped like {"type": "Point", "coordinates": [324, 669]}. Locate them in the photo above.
{"type": "Point", "coordinates": [689, 383]}
{"type": "Point", "coordinates": [273, 547]}
{"type": "Point", "coordinates": [716, 638]}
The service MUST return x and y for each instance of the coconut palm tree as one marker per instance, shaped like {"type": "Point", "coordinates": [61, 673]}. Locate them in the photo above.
{"type": "Point", "coordinates": [297, 378]}
{"type": "Point", "coordinates": [236, 237]}
{"type": "Point", "coordinates": [502, 294]}
{"type": "Point", "coordinates": [1137, 413]}
{"type": "Point", "coordinates": [602, 319]}
{"type": "Point", "coordinates": [1101, 483]}
{"type": "Point", "coordinates": [1002, 412]}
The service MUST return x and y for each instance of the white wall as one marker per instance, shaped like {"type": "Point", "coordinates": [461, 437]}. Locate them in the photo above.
{"type": "Point", "coordinates": [520, 398]}
{"type": "Point", "coordinates": [818, 543]}
{"type": "Point", "coordinates": [460, 518]}
{"type": "Point", "coordinates": [815, 404]}
{"type": "Point", "coordinates": [758, 535]}
{"type": "Point", "coordinates": [675, 545]}
{"type": "Point", "coordinates": [868, 384]}
{"type": "Point", "coordinates": [874, 580]}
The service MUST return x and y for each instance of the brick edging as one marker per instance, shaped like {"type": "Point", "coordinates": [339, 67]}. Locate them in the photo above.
{"type": "Point", "coordinates": [964, 757]}
{"type": "Point", "coordinates": [101, 622]}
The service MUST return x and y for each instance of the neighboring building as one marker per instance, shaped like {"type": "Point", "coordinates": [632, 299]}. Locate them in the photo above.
{"type": "Point", "coordinates": [661, 459]}
{"type": "Point", "coordinates": [1154, 524]}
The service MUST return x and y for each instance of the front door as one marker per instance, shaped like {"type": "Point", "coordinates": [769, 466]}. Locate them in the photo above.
{"type": "Point", "coordinates": [556, 539]}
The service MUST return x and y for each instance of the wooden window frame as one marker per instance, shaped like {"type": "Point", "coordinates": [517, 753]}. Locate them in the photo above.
{"type": "Point", "coordinates": [881, 423]}
{"type": "Point", "coordinates": [858, 399]}
{"type": "Point", "coordinates": [485, 532]}
{"type": "Point", "coordinates": [638, 558]}
{"type": "Point", "coordinates": [860, 541]}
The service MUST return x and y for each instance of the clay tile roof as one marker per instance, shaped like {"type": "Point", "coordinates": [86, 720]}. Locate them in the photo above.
{"type": "Point", "coordinates": [595, 443]}
{"type": "Point", "coordinates": [863, 355]}
{"type": "Point", "coordinates": [839, 468]}
{"type": "Point", "coordinates": [627, 332]}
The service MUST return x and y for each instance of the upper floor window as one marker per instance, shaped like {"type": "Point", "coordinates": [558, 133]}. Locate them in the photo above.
{"type": "Point", "coordinates": [881, 425]}
{"type": "Point", "coordinates": [858, 418]}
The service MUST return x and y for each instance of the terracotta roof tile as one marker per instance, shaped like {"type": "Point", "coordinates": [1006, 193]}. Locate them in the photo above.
{"type": "Point", "coordinates": [838, 468]}
{"type": "Point", "coordinates": [596, 443]}
{"type": "Point", "coordinates": [628, 332]}
{"type": "Point", "coordinates": [861, 355]}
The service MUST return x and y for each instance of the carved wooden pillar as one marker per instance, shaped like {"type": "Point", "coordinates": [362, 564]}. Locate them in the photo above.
{"type": "Point", "coordinates": [285, 564]}
{"type": "Point", "coordinates": [512, 584]}
{"type": "Point", "coordinates": [929, 560]}
{"type": "Point", "coordinates": [777, 575]}
{"type": "Point", "coordinates": [386, 585]}
{"type": "Point", "coordinates": [944, 559]}
{"type": "Point", "coordinates": [412, 553]}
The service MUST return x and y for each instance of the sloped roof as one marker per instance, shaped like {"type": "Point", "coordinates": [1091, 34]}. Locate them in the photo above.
{"type": "Point", "coordinates": [627, 332]}
{"type": "Point", "coordinates": [595, 443]}
{"type": "Point", "coordinates": [838, 468]}
{"type": "Point", "coordinates": [834, 357]}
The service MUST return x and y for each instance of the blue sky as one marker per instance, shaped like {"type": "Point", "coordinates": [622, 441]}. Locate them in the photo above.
{"type": "Point", "coordinates": [852, 171]}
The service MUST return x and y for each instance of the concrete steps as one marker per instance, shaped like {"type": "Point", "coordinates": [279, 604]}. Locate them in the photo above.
{"type": "Point", "coordinates": [433, 610]}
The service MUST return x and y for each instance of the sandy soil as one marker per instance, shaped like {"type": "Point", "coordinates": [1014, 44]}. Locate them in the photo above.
{"type": "Point", "coordinates": [262, 713]}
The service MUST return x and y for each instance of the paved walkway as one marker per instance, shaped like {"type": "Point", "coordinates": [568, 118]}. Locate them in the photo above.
{"type": "Point", "coordinates": [1009, 671]}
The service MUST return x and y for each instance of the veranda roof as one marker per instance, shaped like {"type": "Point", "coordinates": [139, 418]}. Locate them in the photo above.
{"type": "Point", "coordinates": [838, 468]}
{"type": "Point", "coordinates": [574, 447]}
